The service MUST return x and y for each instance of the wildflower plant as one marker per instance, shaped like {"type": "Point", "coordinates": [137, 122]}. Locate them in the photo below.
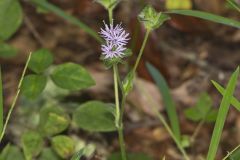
{"type": "Point", "coordinates": [95, 116]}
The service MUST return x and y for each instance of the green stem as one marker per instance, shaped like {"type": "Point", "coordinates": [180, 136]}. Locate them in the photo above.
{"type": "Point", "coordinates": [122, 144]}
{"type": "Point", "coordinates": [110, 15]}
{"type": "Point", "coordinates": [234, 5]}
{"type": "Point", "coordinates": [119, 115]}
{"type": "Point", "coordinates": [116, 96]}
{"type": "Point", "coordinates": [15, 98]}
{"type": "Point", "coordinates": [1, 102]}
{"type": "Point", "coordinates": [141, 50]}
{"type": "Point", "coordinates": [161, 118]}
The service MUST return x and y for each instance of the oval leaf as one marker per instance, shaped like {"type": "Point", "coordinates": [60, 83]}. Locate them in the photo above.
{"type": "Point", "coordinates": [32, 144]}
{"type": "Point", "coordinates": [95, 116]}
{"type": "Point", "coordinates": [49, 154]}
{"type": "Point", "coordinates": [53, 120]}
{"type": "Point", "coordinates": [10, 18]}
{"type": "Point", "coordinates": [7, 51]}
{"type": "Point", "coordinates": [33, 85]}
{"type": "Point", "coordinates": [72, 77]}
{"type": "Point", "coordinates": [40, 60]}
{"type": "Point", "coordinates": [63, 145]}
{"type": "Point", "coordinates": [11, 152]}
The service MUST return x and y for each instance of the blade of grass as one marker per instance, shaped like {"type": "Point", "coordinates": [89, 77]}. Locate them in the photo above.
{"type": "Point", "coordinates": [1, 102]}
{"type": "Point", "coordinates": [234, 5]}
{"type": "Point", "coordinates": [50, 7]}
{"type": "Point", "coordinates": [167, 98]}
{"type": "Point", "coordinates": [222, 114]}
{"type": "Point", "coordinates": [220, 89]}
{"type": "Point", "coordinates": [207, 16]}
{"type": "Point", "coordinates": [15, 98]}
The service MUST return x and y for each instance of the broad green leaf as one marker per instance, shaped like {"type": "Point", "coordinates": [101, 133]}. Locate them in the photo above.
{"type": "Point", "coordinates": [53, 120]}
{"type": "Point", "coordinates": [33, 85]}
{"type": "Point", "coordinates": [49, 154]}
{"type": "Point", "coordinates": [131, 156]}
{"type": "Point", "coordinates": [40, 60]}
{"type": "Point", "coordinates": [95, 116]}
{"type": "Point", "coordinates": [7, 51]}
{"type": "Point", "coordinates": [108, 4]}
{"type": "Point", "coordinates": [203, 110]}
{"type": "Point", "coordinates": [220, 89]}
{"type": "Point", "coordinates": [167, 99]}
{"type": "Point", "coordinates": [1, 101]}
{"type": "Point", "coordinates": [151, 18]}
{"type": "Point", "coordinates": [63, 145]}
{"type": "Point", "coordinates": [72, 77]}
{"type": "Point", "coordinates": [207, 16]}
{"type": "Point", "coordinates": [178, 4]}
{"type": "Point", "coordinates": [222, 114]}
{"type": "Point", "coordinates": [10, 18]}
{"type": "Point", "coordinates": [59, 12]}
{"type": "Point", "coordinates": [78, 155]}
{"type": "Point", "coordinates": [10, 152]}
{"type": "Point", "coordinates": [32, 143]}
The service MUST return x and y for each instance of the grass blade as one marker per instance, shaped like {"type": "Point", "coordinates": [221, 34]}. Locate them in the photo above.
{"type": "Point", "coordinates": [222, 114]}
{"type": "Point", "coordinates": [220, 89]}
{"type": "Point", "coordinates": [15, 98]}
{"type": "Point", "coordinates": [167, 98]}
{"type": "Point", "coordinates": [50, 7]}
{"type": "Point", "coordinates": [1, 102]}
{"type": "Point", "coordinates": [207, 16]}
{"type": "Point", "coordinates": [234, 5]}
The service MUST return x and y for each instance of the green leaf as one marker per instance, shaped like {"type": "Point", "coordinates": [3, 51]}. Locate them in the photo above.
{"type": "Point", "coordinates": [220, 89]}
{"type": "Point", "coordinates": [49, 154]}
{"type": "Point", "coordinates": [108, 4]}
{"type": "Point", "coordinates": [78, 155]}
{"type": "Point", "coordinates": [10, 152]}
{"type": "Point", "coordinates": [152, 19]}
{"type": "Point", "coordinates": [178, 4]}
{"type": "Point", "coordinates": [207, 16]}
{"type": "Point", "coordinates": [11, 17]}
{"type": "Point", "coordinates": [59, 12]}
{"type": "Point", "coordinates": [63, 145]}
{"type": "Point", "coordinates": [222, 114]}
{"type": "Point", "coordinates": [1, 101]}
{"type": "Point", "coordinates": [33, 85]}
{"type": "Point", "coordinates": [32, 144]}
{"type": "Point", "coordinates": [95, 116]}
{"type": "Point", "coordinates": [72, 77]}
{"type": "Point", "coordinates": [40, 60]}
{"type": "Point", "coordinates": [167, 99]}
{"type": "Point", "coordinates": [7, 51]}
{"type": "Point", "coordinates": [53, 120]}
{"type": "Point", "coordinates": [203, 110]}
{"type": "Point", "coordinates": [131, 156]}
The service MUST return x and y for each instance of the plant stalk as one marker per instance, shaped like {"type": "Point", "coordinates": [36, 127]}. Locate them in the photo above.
{"type": "Point", "coordinates": [15, 98]}
{"type": "Point", "coordinates": [141, 50]}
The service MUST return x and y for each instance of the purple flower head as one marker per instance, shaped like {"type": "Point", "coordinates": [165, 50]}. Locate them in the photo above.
{"type": "Point", "coordinates": [112, 51]}
{"type": "Point", "coordinates": [116, 38]}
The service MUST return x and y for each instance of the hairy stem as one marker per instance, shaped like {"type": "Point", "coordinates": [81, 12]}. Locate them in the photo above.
{"type": "Point", "coordinates": [15, 98]}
